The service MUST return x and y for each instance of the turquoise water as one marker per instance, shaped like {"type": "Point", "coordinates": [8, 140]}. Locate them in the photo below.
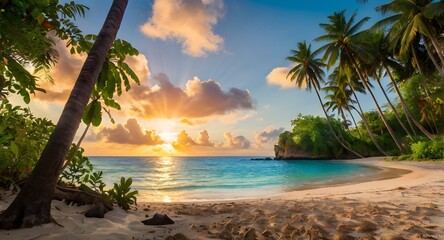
{"type": "Point", "coordinates": [214, 178]}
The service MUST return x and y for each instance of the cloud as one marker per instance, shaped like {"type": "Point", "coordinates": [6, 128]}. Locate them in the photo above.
{"type": "Point", "coordinates": [130, 133]}
{"type": "Point", "coordinates": [235, 141]}
{"type": "Point", "coordinates": [189, 22]}
{"type": "Point", "coordinates": [268, 134]}
{"type": "Point", "coordinates": [184, 139]}
{"type": "Point", "coordinates": [278, 76]}
{"type": "Point", "coordinates": [66, 71]}
{"type": "Point", "coordinates": [204, 139]}
{"type": "Point", "coordinates": [198, 100]}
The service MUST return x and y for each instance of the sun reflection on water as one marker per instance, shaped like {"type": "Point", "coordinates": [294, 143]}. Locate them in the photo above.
{"type": "Point", "coordinates": [165, 167]}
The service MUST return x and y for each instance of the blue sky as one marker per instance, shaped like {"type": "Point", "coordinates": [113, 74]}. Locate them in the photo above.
{"type": "Point", "coordinates": [237, 45]}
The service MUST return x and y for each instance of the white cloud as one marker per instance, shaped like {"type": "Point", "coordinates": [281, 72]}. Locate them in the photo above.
{"type": "Point", "coordinates": [278, 76]}
{"type": "Point", "coordinates": [190, 22]}
{"type": "Point", "coordinates": [236, 141]}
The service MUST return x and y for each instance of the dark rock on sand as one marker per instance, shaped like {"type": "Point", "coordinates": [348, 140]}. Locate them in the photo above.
{"type": "Point", "coordinates": [97, 211]}
{"type": "Point", "coordinates": [158, 219]}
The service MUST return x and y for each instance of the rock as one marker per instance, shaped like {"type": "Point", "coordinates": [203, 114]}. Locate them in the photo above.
{"type": "Point", "coordinates": [177, 236]}
{"type": "Point", "coordinates": [250, 234]}
{"type": "Point", "coordinates": [97, 211]}
{"type": "Point", "coordinates": [158, 219]}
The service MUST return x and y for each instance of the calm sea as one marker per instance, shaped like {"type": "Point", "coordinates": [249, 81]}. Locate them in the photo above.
{"type": "Point", "coordinates": [175, 179]}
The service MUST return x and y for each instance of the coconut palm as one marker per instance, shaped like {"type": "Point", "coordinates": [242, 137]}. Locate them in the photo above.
{"type": "Point", "coordinates": [308, 72]}
{"type": "Point", "coordinates": [341, 37]}
{"type": "Point", "coordinates": [412, 18]}
{"type": "Point", "coordinates": [33, 203]}
{"type": "Point", "coordinates": [340, 83]}
{"type": "Point", "coordinates": [383, 61]}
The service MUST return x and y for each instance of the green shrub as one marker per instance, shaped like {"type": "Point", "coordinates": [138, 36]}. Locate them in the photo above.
{"type": "Point", "coordinates": [433, 149]}
{"type": "Point", "coordinates": [122, 194]}
{"type": "Point", "coordinates": [78, 170]}
{"type": "Point", "coordinates": [22, 139]}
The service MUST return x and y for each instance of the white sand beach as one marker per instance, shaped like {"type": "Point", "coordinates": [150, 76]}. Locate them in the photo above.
{"type": "Point", "coordinates": [409, 206]}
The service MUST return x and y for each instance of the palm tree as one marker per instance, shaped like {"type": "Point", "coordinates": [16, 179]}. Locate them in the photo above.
{"type": "Point", "coordinates": [308, 72]}
{"type": "Point", "coordinates": [342, 35]}
{"type": "Point", "coordinates": [384, 61]}
{"type": "Point", "coordinates": [341, 83]}
{"type": "Point", "coordinates": [412, 18]}
{"type": "Point", "coordinates": [33, 203]}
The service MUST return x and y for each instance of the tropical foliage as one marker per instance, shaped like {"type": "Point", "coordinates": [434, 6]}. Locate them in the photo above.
{"type": "Point", "coordinates": [27, 33]}
{"type": "Point", "coordinates": [22, 139]}
{"type": "Point", "coordinates": [405, 48]}
{"type": "Point", "coordinates": [25, 30]}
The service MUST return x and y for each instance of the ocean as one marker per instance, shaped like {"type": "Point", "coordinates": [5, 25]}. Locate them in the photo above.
{"type": "Point", "coordinates": [190, 179]}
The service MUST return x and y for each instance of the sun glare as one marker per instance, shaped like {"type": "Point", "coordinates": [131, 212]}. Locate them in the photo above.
{"type": "Point", "coordinates": [168, 137]}
{"type": "Point", "coordinates": [167, 149]}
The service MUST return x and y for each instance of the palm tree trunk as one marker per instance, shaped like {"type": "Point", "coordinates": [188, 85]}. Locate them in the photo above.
{"type": "Point", "coordinates": [364, 82]}
{"type": "Point", "coordinates": [332, 130]}
{"type": "Point", "coordinates": [406, 109]}
{"type": "Point", "coordinates": [389, 128]}
{"type": "Point", "coordinates": [32, 205]}
{"type": "Point", "coordinates": [439, 48]}
{"type": "Point", "coordinates": [415, 57]}
{"type": "Point", "coordinates": [394, 109]}
{"type": "Point", "coordinates": [345, 119]}
{"type": "Point", "coordinates": [367, 126]}
{"type": "Point", "coordinates": [430, 53]}
{"type": "Point", "coordinates": [354, 122]}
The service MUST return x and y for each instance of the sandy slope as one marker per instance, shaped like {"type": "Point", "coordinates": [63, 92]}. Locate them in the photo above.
{"type": "Point", "coordinates": [407, 207]}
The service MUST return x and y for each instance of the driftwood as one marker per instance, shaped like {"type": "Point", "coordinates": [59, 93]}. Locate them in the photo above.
{"type": "Point", "coordinates": [81, 197]}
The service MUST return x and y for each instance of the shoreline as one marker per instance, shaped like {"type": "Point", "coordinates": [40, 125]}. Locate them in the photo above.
{"type": "Point", "coordinates": [404, 202]}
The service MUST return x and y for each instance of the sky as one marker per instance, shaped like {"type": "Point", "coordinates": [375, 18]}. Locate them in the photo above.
{"type": "Point", "coordinates": [212, 75]}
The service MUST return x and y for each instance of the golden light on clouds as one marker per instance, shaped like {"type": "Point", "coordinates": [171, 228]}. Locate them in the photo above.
{"type": "Point", "coordinates": [188, 22]}
{"type": "Point", "coordinates": [199, 99]}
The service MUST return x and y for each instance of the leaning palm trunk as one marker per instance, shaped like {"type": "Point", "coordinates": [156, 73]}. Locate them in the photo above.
{"type": "Point", "coordinates": [406, 109]}
{"type": "Point", "coordinates": [430, 53]}
{"type": "Point", "coordinates": [394, 110]}
{"type": "Point", "coordinates": [367, 126]}
{"type": "Point", "coordinates": [333, 131]}
{"type": "Point", "coordinates": [384, 120]}
{"type": "Point", "coordinates": [33, 203]}
{"type": "Point", "coordinates": [354, 122]}
{"type": "Point", "coordinates": [438, 47]}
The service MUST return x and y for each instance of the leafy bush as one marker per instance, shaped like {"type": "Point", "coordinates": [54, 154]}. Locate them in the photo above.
{"type": "Point", "coordinates": [22, 139]}
{"type": "Point", "coordinates": [79, 169]}
{"type": "Point", "coordinates": [96, 183]}
{"type": "Point", "coordinates": [433, 149]}
{"type": "Point", "coordinates": [122, 194]}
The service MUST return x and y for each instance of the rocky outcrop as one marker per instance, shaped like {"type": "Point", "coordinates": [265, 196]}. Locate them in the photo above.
{"type": "Point", "coordinates": [292, 152]}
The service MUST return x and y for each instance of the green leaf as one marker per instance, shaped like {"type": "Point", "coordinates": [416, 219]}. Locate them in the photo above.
{"type": "Point", "coordinates": [93, 113]}
{"type": "Point", "coordinates": [14, 149]}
